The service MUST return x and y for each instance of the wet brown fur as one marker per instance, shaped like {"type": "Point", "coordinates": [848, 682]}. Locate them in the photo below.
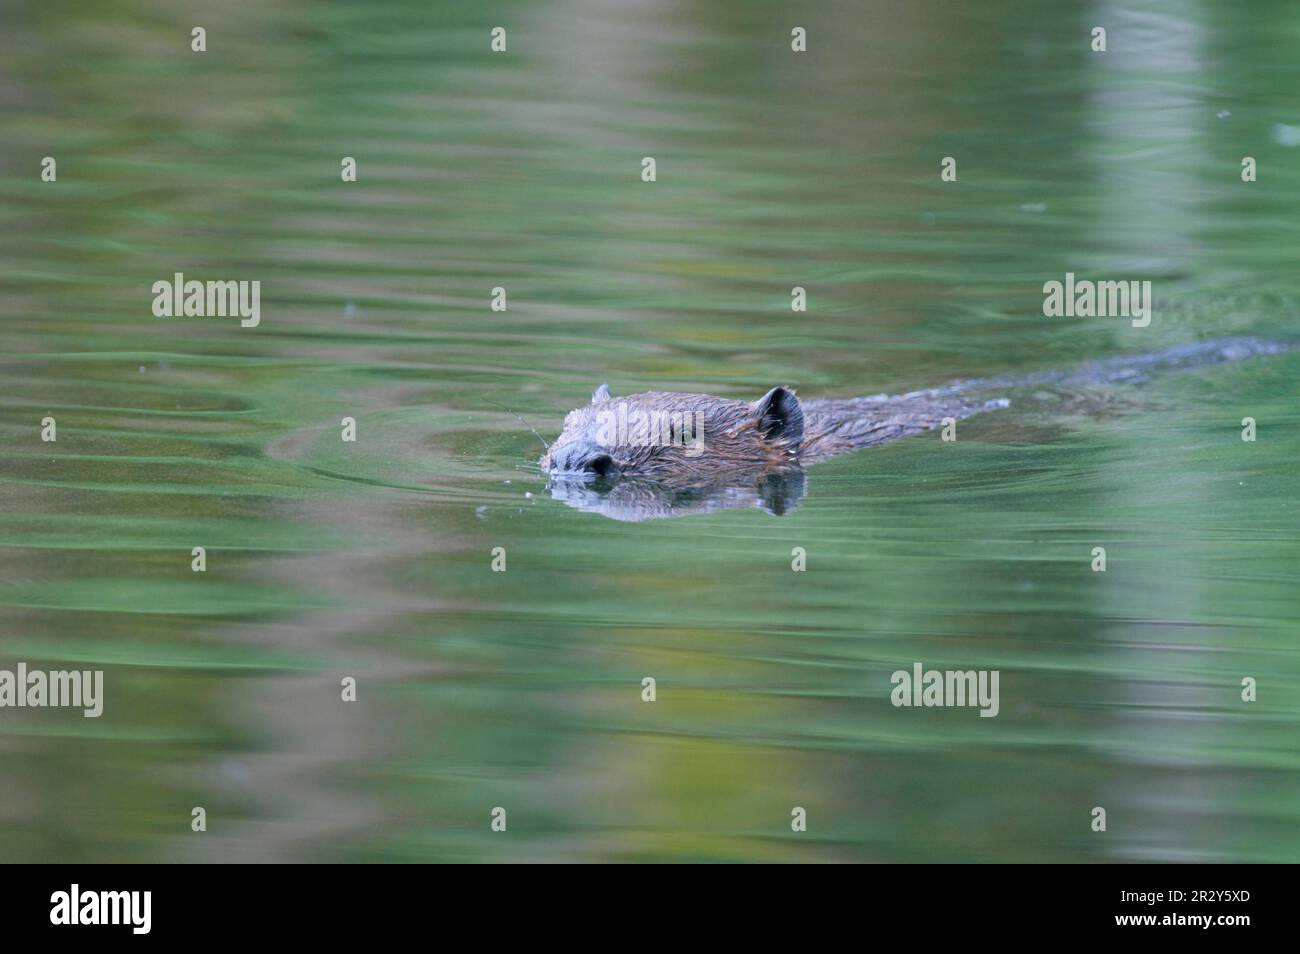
{"type": "Point", "coordinates": [778, 431]}
{"type": "Point", "coordinates": [753, 452]}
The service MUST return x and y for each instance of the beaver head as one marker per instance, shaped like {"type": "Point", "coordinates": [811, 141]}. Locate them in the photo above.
{"type": "Point", "coordinates": [662, 436]}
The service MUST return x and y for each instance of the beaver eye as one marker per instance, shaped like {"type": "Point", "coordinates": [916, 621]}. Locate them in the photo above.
{"type": "Point", "coordinates": [601, 465]}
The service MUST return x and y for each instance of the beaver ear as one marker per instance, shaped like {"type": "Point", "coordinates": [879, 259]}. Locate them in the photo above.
{"type": "Point", "coordinates": [600, 394]}
{"type": "Point", "coordinates": [779, 416]}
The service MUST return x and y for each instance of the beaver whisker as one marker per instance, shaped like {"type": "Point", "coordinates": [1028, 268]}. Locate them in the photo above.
{"type": "Point", "coordinates": [524, 423]}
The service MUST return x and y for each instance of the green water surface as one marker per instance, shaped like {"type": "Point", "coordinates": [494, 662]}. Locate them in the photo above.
{"type": "Point", "coordinates": [522, 689]}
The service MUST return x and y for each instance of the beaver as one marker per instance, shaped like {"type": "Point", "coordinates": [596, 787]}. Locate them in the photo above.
{"type": "Point", "coordinates": [661, 453]}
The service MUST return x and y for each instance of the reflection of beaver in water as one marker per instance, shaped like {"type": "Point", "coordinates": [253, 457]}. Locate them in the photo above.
{"type": "Point", "coordinates": [695, 451]}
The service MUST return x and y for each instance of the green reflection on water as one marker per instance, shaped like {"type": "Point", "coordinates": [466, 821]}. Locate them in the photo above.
{"type": "Point", "coordinates": [522, 689]}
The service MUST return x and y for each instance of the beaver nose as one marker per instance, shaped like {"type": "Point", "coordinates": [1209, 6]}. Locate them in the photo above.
{"type": "Point", "coordinates": [581, 457]}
